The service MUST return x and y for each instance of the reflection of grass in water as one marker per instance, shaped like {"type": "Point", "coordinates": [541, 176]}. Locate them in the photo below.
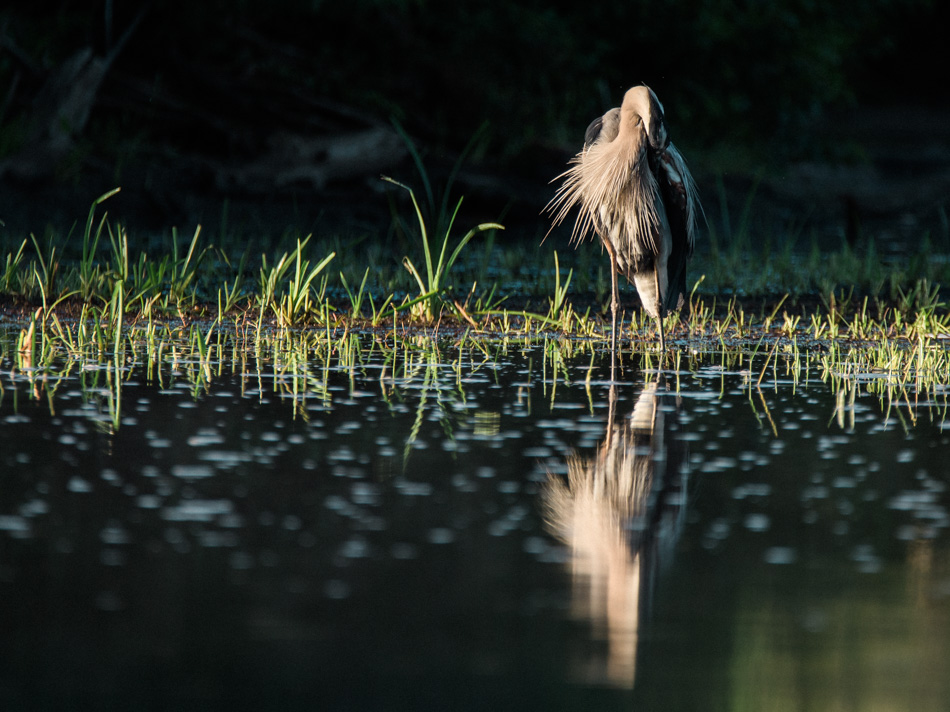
{"type": "Point", "coordinates": [424, 369]}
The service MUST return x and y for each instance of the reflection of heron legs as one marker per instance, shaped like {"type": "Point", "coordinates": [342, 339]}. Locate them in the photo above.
{"type": "Point", "coordinates": [613, 367]}
{"type": "Point", "coordinates": [611, 412]}
{"type": "Point", "coordinates": [659, 309]}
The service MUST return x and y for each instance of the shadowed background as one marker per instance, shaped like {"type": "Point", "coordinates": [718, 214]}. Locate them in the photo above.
{"type": "Point", "coordinates": [259, 117]}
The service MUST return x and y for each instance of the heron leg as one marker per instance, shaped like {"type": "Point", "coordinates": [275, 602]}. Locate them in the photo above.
{"type": "Point", "coordinates": [614, 307]}
{"type": "Point", "coordinates": [659, 309]}
{"type": "Point", "coordinates": [614, 297]}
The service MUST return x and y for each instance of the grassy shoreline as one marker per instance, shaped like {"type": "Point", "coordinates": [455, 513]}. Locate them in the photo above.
{"type": "Point", "coordinates": [743, 289]}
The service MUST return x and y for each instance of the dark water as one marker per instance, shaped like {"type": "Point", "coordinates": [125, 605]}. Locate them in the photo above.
{"type": "Point", "coordinates": [496, 528]}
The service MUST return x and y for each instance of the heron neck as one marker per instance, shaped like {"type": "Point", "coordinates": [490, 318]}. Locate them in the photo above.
{"type": "Point", "coordinates": [631, 127]}
{"type": "Point", "coordinates": [631, 136]}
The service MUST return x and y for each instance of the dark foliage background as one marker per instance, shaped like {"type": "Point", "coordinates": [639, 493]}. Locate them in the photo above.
{"type": "Point", "coordinates": [207, 82]}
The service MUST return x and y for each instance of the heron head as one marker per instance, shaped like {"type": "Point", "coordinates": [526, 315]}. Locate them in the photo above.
{"type": "Point", "coordinates": [641, 104]}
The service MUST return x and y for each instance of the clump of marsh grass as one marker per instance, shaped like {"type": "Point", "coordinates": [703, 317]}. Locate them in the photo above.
{"type": "Point", "coordinates": [436, 271]}
{"type": "Point", "coordinates": [440, 222]}
{"type": "Point", "coordinates": [292, 299]}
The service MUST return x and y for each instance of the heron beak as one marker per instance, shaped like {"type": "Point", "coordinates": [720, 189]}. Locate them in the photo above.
{"type": "Point", "coordinates": [659, 138]}
{"type": "Point", "coordinates": [656, 131]}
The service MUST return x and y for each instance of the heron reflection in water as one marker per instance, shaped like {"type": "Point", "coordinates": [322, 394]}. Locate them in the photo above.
{"type": "Point", "coordinates": [636, 193]}
{"type": "Point", "coordinates": [620, 513]}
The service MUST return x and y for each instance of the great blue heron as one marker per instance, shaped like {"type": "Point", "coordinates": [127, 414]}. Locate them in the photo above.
{"type": "Point", "coordinates": [636, 193]}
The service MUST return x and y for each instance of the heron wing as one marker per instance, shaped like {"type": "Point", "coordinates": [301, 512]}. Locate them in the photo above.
{"type": "Point", "coordinates": [603, 128]}
{"type": "Point", "coordinates": [586, 181]}
{"type": "Point", "coordinates": [593, 132]}
{"type": "Point", "coordinates": [682, 204]}
{"type": "Point", "coordinates": [679, 194]}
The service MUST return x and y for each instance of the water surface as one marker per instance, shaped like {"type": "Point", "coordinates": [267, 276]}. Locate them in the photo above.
{"type": "Point", "coordinates": [485, 526]}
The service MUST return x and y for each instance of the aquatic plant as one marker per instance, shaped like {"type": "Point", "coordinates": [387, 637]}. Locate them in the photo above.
{"type": "Point", "coordinates": [184, 269]}
{"type": "Point", "coordinates": [436, 271]}
{"type": "Point", "coordinates": [228, 296]}
{"type": "Point", "coordinates": [437, 219]}
{"type": "Point", "coordinates": [559, 309]}
{"type": "Point", "coordinates": [90, 275]}
{"type": "Point", "coordinates": [290, 301]}
{"type": "Point", "coordinates": [11, 281]}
